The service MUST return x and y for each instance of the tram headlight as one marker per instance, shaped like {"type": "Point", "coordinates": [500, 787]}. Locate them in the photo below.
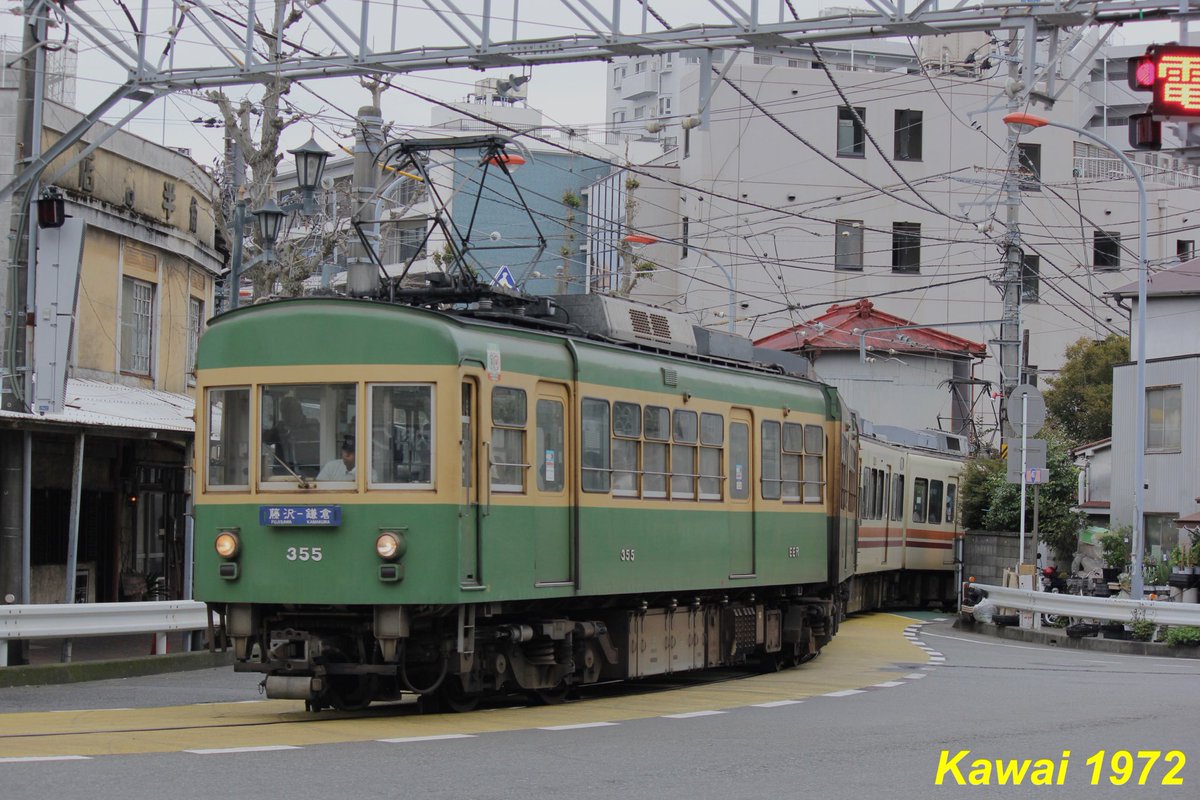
{"type": "Point", "coordinates": [390, 545]}
{"type": "Point", "coordinates": [227, 544]}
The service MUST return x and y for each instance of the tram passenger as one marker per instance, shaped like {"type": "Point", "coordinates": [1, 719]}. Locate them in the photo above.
{"type": "Point", "coordinates": [342, 468]}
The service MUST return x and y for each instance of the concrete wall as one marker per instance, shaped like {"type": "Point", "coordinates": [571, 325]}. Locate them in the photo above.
{"type": "Point", "coordinates": [986, 554]}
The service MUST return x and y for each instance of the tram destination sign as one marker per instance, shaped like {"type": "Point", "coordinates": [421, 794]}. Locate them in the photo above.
{"type": "Point", "coordinates": [300, 516]}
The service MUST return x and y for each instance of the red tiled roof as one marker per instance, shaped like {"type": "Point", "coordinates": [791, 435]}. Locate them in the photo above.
{"type": "Point", "coordinates": [841, 328]}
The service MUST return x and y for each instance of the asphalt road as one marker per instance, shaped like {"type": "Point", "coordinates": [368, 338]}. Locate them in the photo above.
{"type": "Point", "coordinates": [870, 718]}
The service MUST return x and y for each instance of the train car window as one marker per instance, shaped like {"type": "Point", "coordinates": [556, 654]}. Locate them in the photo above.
{"type": "Point", "coordinates": [951, 498]}
{"type": "Point", "coordinates": [814, 463]}
{"type": "Point", "coordinates": [920, 492]}
{"type": "Point", "coordinates": [308, 433]}
{"type": "Point", "coordinates": [712, 438]}
{"type": "Point", "coordinates": [466, 433]}
{"type": "Point", "coordinates": [771, 440]}
{"type": "Point", "coordinates": [685, 433]}
{"type": "Point", "coordinates": [739, 459]}
{"type": "Point", "coordinates": [790, 462]}
{"type": "Point", "coordinates": [864, 494]}
{"type": "Point", "coordinates": [401, 447]}
{"type": "Point", "coordinates": [550, 437]}
{"type": "Point", "coordinates": [935, 503]}
{"type": "Point", "coordinates": [229, 438]}
{"type": "Point", "coordinates": [627, 432]}
{"type": "Point", "coordinates": [880, 480]}
{"type": "Point", "coordinates": [596, 475]}
{"type": "Point", "coordinates": [509, 417]}
{"type": "Point", "coordinates": [655, 451]}
{"type": "Point", "coordinates": [898, 497]}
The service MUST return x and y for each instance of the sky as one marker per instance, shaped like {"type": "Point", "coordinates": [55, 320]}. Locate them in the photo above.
{"type": "Point", "coordinates": [567, 94]}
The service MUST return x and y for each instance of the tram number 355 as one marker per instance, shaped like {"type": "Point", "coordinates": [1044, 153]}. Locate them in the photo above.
{"type": "Point", "coordinates": [304, 554]}
{"type": "Point", "coordinates": [628, 554]}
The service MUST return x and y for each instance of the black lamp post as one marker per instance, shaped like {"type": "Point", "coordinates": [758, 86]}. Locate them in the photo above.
{"type": "Point", "coordinates": [310, 164]}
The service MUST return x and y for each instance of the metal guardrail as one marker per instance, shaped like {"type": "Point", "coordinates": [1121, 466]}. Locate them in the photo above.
{"type": "Point", "coordinates": [1115, 609]}
{"type": "Point", "coordinates": [69, 621]}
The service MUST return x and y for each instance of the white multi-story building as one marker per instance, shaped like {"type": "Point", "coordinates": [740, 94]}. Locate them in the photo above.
{"type": "Point", "coordinates": [776, 194]}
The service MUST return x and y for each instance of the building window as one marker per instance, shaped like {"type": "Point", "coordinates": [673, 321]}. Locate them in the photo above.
{"type": "Point", "coordinates": [848, 244]}
{"type": "Point", "coordinates": [908, 135]}
{"type": "Point", "coordinates": [618, 74]}
{"type": "Point", "coordinates": [1029, 167]}
{"type": "Point", "coordinates": [664, 106]}
{"type": "Point", "coordinates": [195, 326]}
{"type": "Point", "coordinates": [639, 67]}
{"type": "Point", "coordinates": [1161, 537]}
{"type": "Point", "coordinates": [851, 141]}
{"type": "Point", "coordinates": [1030, 270]}
{"type": "Point", "coordinates": [687, 142]}
{"type": "Point", "coordinates": [639, 112]}
{"type": "Point", "coordinates": [763, 60]}
{"type": "Point", "coordinates": [1185, 249]}
{"type": "Point", "coordinates": [1106, 249]}
{"type": "Point", "coordinates": [1164, 419]}
{"type": "Point", "coordinates": [683, 238]}
{"type": "Point", "coordinates": [137, 325]}
{"type": "Point", "coordinates": [795, 63]}
{"type": "Point", "coordinates": [906, 247]}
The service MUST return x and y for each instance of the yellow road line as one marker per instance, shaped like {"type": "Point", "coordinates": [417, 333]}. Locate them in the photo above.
{"type": "Point", "coordinates": [866, 651]}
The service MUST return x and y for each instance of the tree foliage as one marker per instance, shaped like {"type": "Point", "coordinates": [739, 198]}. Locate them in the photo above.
{"type": "Point", "coordinates": [990, 502]}
{"type": "Point", "coordinates": [1079, 399]}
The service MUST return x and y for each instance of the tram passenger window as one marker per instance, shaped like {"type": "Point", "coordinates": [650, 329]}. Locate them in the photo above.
{"type": "Point", "coordinates": [920, 492]}
{"type": "Point", "coordinates": [229, 438]}
{"type": "Point", "coordinates": [401, 449]}
{"type": "Point", "coordinates": [864, 493]}
{"type": "Point", "coordinates": [898, 497]}
{"type": "Point", "coordinates": [790, 462]}
{"type": "Point", "coordinates": [685, 434]}
{"type": "Point", "coordinates": [880, 480]}
{"type": "Point", "coordinates": [770, 460]}
{"type": "Point", "coordinates": [655, 451]}
{"type": "Point", "coordinates": [739, 460]}
{"type": "Point", "coordinates": [305, 426]}
{"type": "Point", "coordinates": [510, 415]}
{"type": "Point", "coordinates": [596, 476]}
{"type": "Point", "coordinates": [712, 439]}
{"type": "Point", "coordinates": [549, 446]}
{"type": "Point", "coordinates": [814, 462]}
{"type": "Point", "coordinates": [935, 502]}
{"type": "Point", "coordinates": [627, 434]}
{"type": "Point", "coordinates": [951, 497]}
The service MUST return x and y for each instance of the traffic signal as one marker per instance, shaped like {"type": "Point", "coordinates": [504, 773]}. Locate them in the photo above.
{"type": "Point", "coordinates": [1172, 73]}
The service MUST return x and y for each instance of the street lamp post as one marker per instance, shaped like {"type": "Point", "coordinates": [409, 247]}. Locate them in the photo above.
{"type": "Point", "coordinates": [1026, 122]}
{"type": "Point", "coordinates": [310, 164]}
{"type": "Point", "coordinates": [644, 239]}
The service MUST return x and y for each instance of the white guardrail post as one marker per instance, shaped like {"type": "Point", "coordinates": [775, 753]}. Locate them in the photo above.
{"type": "Point", "coordinates": [70, 621]}
{"type": "Point", "coordinates": [1115, 609]}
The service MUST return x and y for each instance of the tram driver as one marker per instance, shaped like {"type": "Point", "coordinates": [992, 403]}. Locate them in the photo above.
{"type": "Point", "coordinates": [342, 468]}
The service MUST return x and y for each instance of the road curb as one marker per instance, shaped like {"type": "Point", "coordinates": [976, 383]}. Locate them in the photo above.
{"type": "Point", "coordinates": [1057, 638]}
{"type": "Point", "coordinates": [46, 674]}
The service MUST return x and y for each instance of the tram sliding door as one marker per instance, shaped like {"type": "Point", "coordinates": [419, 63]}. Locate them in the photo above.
{"type": "Point", "coordinates": [741, 494]}
{"type": "Point", "coordinates": [552, 509]}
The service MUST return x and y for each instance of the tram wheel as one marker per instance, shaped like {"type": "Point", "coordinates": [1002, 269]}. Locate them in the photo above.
{"type": "Point", "coordinates": [554, 696]}
{"type": "Point", "coordinates": [351, 692]}
{"type": "Point", "coordinates": [454, 698]}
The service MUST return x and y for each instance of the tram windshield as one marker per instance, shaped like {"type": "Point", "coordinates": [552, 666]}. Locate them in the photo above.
{"type": "Point", "coordinates": [308, 434]}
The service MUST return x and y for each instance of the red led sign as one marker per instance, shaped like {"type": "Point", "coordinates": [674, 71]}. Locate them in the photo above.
{"type": "Point", "coordinates": [1172, 73]}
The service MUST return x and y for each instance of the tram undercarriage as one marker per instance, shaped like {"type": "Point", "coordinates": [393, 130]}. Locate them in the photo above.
{"type": "Point", "coordinates": [452, 656]}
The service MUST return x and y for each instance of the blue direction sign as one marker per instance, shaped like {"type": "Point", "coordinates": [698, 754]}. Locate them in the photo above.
{"type": "Point", "coordinates": [307, 516]}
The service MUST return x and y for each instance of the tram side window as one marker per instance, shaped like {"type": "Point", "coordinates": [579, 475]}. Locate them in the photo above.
{"type": "Point", "coordinates": [814, 463]}
{"type": "Point", "coordinates": [655, 451]}
{"type": "Point", "coordinates": [770, 460]}
{"type": "Point", "coordinates": [510, 415]}
{"type": "Point", "coordinates": [920, 493]}
{"type": "Point", "coordinates": [596, 475]}
{"type": "Point", "coordinates": [951, 498]}
{"type": "Point", "coordinates": [549, 445]}
{"type": "Point", "coordinates": [306, 427]}
{"type": "Point", "coordinates": [898, 497]}
{"type": "Point", "coordinates": [880, 480]}
{"type": "Point", "coordinates": [712, 440]}
{"type": "Point", "coordinates": [791, 461]}
{"type": "Point", "coordinates": [684, 436]}
{"type": "Point", "coordinates": [935, 502]}
{"type": "Point", "coordinates": [627, 434]}
{"type": "Point", "coordinates": [866, 493]}
{"type": "Point", "coordinates": [402, 435]}
{"type": "Point", "coordinates": [229, 438]}
{"type": "Point", "coordinates": [739, 459]}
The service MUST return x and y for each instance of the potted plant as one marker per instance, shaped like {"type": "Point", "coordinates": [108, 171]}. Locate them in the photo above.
{"type": "Point", "coordinates": [1114, 549]}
